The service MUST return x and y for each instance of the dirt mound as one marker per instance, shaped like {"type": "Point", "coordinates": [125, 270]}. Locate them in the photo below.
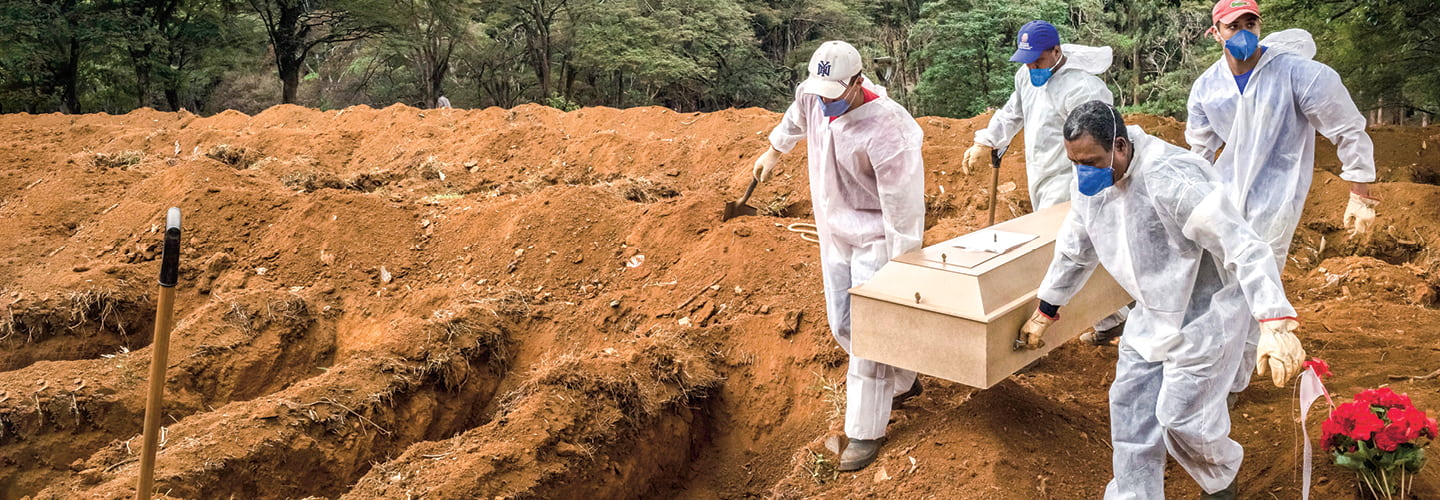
{"type": "Point", "coordinates": [531, 303]}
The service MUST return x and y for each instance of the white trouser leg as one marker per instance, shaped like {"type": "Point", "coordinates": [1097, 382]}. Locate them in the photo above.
{"type": "Point", "coordinates": [1113, 320]}
{"type": "Point", "coordinates": [1176, 406]}
{"type": "Point", "coordinates": [1135, 433]}
{"type": "Point", "coordinates": [869, 386]}
{"type": "Point", "coordinates": [1196, 420]}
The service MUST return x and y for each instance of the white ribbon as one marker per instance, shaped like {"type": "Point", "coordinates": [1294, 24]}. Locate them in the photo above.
{"type": "Point", "coordinates": [1310, 390]}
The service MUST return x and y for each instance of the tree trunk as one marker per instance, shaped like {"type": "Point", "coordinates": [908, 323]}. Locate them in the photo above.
{"type": "Point", "coordinates": [141, 60]}
{"type": "Point", "coordinates": [70, 78]}
{"type": "Point", "coordinates": [172, 98]}
{"type": "Point", "coordinates": [1135, 67]}
{"type": "Point", "coordinates": [289, 81]}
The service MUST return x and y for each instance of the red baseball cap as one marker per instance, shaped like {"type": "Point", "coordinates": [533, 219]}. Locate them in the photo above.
{"type": "Point", "coordinates": [1226, 11]}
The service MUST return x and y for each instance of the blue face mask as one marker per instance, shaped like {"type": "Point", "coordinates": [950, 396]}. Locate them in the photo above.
{"type": "Point", "coordinates": [1242, 44]}
{"type": "Point", "coordinates": [836, 108]}
{"type": "Point", "coordinates": [1038, 76]}
{"type": "Point", "coordinates": [1091, 179]}
{"type": "Point", "coordinates": [1094, 179]}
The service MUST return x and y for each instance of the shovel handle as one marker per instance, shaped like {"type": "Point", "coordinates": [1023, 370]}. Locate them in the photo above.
{"type": "Point", "coordinates": [748, 191]}
{"type": "Point", "coordinates": [995, 155]}
{"type": "Point", "coordinates": [170, 258]}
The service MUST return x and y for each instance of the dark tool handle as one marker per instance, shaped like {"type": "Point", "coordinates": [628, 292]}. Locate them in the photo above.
{"type": "Point", "coordinates": [994, 181]}
{"type": "Point", "coordinates": [748, 191]}
{"type": "Point", "coordinates": [170, 258]}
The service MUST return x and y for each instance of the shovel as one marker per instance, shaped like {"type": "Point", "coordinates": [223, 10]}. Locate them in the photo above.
{"type": "Point", "coordinates": [159, 351]}
{"type": "Point", "coordinates": [994, 182]}
{"type": "Point", "coordinates": [738, 208]}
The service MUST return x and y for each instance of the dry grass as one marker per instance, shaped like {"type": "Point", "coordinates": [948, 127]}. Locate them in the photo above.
{"type": "Point", "coordinates": [98, 305]}
{"type": "Point", "coordinates": [642, 190]}
{"type": "Point", "coordinates": [833, 393]}
{"type": "Point", "coordinates": [776, 206]}
{"type": "Point", "coordinates": [234, 156]}
{"type": "Point", "coordinates": [120, 159]}
{"type": "Point", "coordinates": [822, 470]}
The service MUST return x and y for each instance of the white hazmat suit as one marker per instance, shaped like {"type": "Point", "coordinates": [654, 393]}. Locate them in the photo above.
{"type": "Point", "coordinates": [867, 185]}
{"type": "Point", "coordinates": [1041, 111]}
{"type": "Point", "coordinates": [1171, 237]}
{"type": "Point", "coordinates": [1268, 135]}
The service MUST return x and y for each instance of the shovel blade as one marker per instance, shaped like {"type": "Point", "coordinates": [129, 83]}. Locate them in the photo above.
{"type": "Point", "coordinates": [736, 209]}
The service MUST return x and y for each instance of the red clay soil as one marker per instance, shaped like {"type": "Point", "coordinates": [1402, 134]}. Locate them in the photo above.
{"type": "Point", "coordinates": [527, 303]}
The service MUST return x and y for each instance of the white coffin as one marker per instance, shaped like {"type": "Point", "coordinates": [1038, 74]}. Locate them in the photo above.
{"type": "Point", "coordinates": [964, 325]}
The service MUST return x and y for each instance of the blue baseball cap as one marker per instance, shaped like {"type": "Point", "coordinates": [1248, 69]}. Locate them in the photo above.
{"type": "Point", "coordinates": [1035, 38]}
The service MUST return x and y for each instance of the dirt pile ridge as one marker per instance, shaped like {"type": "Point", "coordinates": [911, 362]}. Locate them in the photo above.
{"type": "Point", "coordinates": [532, 303]}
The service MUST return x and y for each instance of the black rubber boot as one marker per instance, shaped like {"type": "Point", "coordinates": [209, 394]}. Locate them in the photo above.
{"type": "Point", "coordinates": [914, 390]}
{"type": "Point", "coordinates": [1229, 493]}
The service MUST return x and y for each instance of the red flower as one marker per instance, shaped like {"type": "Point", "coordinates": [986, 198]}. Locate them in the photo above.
{"type": "Point", "coordinates": [1430, 428]}
{"type": "Point", "coordinates": [1411, 421]}
{"type": "Point", "coordinates": [1329, 430]}
{"type": "Point", "coordinates": [1384, 397]}
{"type": "Point", "coordinates": [1321, 367]}
{"type": "Point", "coordinates": [1354, 419]}
{"type": "Point", "coordinates": [1391, 438]}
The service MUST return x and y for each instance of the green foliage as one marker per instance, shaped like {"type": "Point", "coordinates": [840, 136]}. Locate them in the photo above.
{"type": "Point", "coordinates": [1386, 51]}
{"type": "Point", "coordinates": [965, 46]}
{"type": "Point", "coordinates": [561, 103]}
{"type": "Point", "coordinates": [937, 57]}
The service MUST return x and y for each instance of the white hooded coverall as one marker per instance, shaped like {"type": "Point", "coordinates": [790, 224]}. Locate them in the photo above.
{"type": "Point", "coordinates": [1041, 111]}
{"type": "Point", "coordinates": [867, 185]}
{"type": "Point", "coordinates": [1171, 237]}
{"type": "Point", "coordinates": [1268, 134]}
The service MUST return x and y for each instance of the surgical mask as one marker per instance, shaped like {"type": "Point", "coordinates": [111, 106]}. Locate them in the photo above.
{"type": "Point", "coordinates": [1038, 76]}
{"type": "Point", "coordinates": [1242, 44]}
{"type": "Point", "coordinates": [1091, 179]}
{"type": "Point", "coordinates": [835, 108]}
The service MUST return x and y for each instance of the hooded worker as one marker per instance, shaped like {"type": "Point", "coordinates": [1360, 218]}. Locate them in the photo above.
{"type": "Point", "coordinates": [1053, 80]}
{"type": "Point", "coordinates": [1151, 213]}
{"type": "Point", "coordinates": [1263, 101]}
{"type": "Point", "coordinates": [867, 185]}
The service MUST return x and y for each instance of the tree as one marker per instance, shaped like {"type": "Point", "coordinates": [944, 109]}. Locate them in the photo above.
{"type": "Point", "coordinates": [965, 49]}
{"type": "Point", "coordinates": [671, 52]}
{"type": "Point", "coordinates": [296, 27]}
{"type": "Point", "coordinates": [1388, 52]}
{"type": "Point", "coordinates": [426, 32]}
{"type": "Point", "coordinates": [46, 41]}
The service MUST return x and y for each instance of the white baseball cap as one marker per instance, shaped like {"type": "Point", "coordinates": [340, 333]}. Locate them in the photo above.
{"type": "Point", "coordinates": [831, 68]}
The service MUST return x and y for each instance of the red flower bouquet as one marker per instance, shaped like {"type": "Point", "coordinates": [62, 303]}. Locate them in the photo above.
{"type": "Point", "coordinates": [1382, 437]}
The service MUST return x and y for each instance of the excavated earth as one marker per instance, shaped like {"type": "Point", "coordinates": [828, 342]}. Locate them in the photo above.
{"type": "Point", "coordinates": [527, 303]}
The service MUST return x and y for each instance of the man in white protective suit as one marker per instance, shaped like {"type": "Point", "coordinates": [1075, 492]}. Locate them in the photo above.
{"type": "Point", "coordinates": [1153, 215]}
{"type": "Point", "coordinates": [1052, 80]}
{"type": "Point", "coordinates": [1263, 101]}
{"type": "Point", "coordinates": [867, 185]}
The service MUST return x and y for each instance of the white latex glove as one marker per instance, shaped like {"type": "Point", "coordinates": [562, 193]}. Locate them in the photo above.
{"type": "Point", "coordinates": [1279, 353]}
{"type": "Point", "coordinates": [977, 158]}
{"type": "Point", "coordinates": [1034, 329]}
{"type": "Point", "coordinates": [1360, 211]}
{"type": "Point", "coordinates": [766, 163]}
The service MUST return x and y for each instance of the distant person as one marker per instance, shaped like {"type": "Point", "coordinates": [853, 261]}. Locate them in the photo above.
{"type": "Point", "coordinates": [1053, 79]}
{"type": "Point", "coordinates": [1151, 213]}
{"type": "Point", "coordinates": [1262, 102]}
{"type": "Point", "coordinates": [442, 103]}
{"type": "Point", "coordinates": [867, 183]}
